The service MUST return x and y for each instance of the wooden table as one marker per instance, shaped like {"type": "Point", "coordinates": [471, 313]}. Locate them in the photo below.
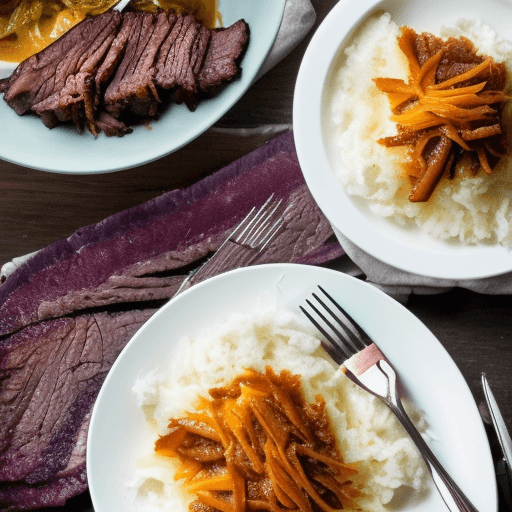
{"type": "Point", "coordinates": [38, 208]}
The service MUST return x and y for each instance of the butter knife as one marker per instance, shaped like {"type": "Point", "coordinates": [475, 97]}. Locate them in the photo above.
{"type": "Point", "coordinates": [504, 466]}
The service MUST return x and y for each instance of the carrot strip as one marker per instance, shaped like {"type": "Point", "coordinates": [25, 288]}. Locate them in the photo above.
{"type": "Point", "coordinates": [406, 42]}
{"type": "Point", "coordinates": [426, 184]}
{"type": "Point", "coordinates": [427, 75]}
{"type": "Point", "coordinates": [212, 501]}
{"type": "Point", "coordinates": [458, 109]}
{"type": "Point", "coordinates": [473, 72]}
{"type": "Point", "coordinates": [223, 482]}
{"type": "Point", "coordinates": [483, 160]}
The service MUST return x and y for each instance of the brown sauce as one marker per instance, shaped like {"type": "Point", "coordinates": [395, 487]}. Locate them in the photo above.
{"type": "Point", "coordinates": [257, 444]}
{"type": "Point", "coordinates": [38, 27]}
{"type": "Point", "coordinates": [449, 111]}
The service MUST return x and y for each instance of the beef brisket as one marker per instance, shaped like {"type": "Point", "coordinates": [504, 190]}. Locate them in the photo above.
{"type": "Point", "coordinates": [45, 75]}
{"type": "Point", "coordinates": [132, 86]}
{"type": "Point", "coordinates": [226, 50]}
{"type": "Point", "coordinates": [115, 69]}
{"type": "Point", "coordinates": [174, 65]}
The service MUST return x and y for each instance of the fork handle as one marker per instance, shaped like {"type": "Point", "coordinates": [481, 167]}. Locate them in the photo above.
{"type": "Point", "coordinates": [452, 495]}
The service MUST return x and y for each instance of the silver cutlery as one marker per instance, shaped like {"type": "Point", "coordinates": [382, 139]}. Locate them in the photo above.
{"type": "Point", "coordinates": [245, 243]}
{"type": "Point", "coordinates": [349, 345]}
{"type": "Point", "coordinates": [504, 466]}
{"type": "Point", "coordinates": [121, 5]}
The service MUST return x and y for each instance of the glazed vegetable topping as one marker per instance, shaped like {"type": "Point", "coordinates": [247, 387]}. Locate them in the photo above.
{"type": "Point", "coordinates": [258, 445]}
{"type": "Point", "coordinates": [450, 111]}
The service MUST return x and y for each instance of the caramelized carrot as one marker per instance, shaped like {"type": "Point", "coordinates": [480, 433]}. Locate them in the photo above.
{"type": "Point", "coordinates": [424, 187]}
{"type": "Point", "coordinates": [274, 447]}
{"type": "Point", "coordinates": [463, 108]}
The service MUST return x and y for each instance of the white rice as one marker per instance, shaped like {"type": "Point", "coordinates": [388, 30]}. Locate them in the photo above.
{"type": "Point", "coordinates": [469, 209]}
{"type": "Point", "coordinates": [366, 430]}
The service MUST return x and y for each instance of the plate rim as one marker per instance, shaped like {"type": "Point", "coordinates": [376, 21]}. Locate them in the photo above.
{"type": "Point", "coordinates": [312, 154]}
{"type": "Point", "coordinates": [268, 273]}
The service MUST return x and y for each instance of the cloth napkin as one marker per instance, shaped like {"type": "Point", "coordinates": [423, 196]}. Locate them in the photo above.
{"type": "Point", "coordinates": [298, 18]}
{"type": "Point", "coordinates": [401, 284]}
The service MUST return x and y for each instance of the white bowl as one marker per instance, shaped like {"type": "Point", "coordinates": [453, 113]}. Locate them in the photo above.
{"type": "Point", "coordinates": [26, 141]}
{"type": "Point", "coordinates": [403, 248]}
{"type": "Point", "coordinates": [118, 433]}
{"type": "Point", "coordinates": [6, 68]}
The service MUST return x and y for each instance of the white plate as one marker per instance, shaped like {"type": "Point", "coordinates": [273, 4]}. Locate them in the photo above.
{"type": "Point", "coordinates": [118, 430]}
{"type": "Point", "coordinates": [406, 249]}
{"type": "Point", "coordinates": [26, 141]}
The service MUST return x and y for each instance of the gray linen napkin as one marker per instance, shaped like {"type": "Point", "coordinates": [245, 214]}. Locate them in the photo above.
{"type": "Point", "coordinates": [298, 18]}
{"type": "Point", "coordinates": [401, 284]}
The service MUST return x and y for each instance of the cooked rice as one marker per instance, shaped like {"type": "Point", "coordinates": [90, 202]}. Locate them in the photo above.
{"type": "Point", "coordinates": [471, 209]}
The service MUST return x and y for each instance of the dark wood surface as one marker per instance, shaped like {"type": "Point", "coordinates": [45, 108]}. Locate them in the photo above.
{"type": "Point", "coordinates": [38, 208]}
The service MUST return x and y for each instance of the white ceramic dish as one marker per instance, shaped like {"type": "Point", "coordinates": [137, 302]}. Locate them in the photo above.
{"type": "Point", "coordinates": [406, 249]}
{"type": "Point", "coordinates": [26, 141]}
{"type": "Point", "coordinates": [118, 432]}
{"type": "Point", "coordinates": [6, 68]}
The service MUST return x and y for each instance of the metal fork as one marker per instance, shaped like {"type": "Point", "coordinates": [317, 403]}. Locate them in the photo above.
{"type": "Point", "coordinates": [348, 344]}
{"type": "Point", "coordinates": [246, 242]}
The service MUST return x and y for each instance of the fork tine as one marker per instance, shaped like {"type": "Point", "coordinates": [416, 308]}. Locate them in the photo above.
{"type": "Point", "coordinates": [263, 226]}
{"type": "Point", "coordinates": [346, 335]}
{"type": "Point", "coordinates": [363, 340]}
{"type": "Point", "coordinates": [245, 243]}
{"type": "Point", "coordinates": [245, 224]}
{"type": "Point", "coordinates": [332, 348]}
{"type": "Point", "coordinates": [250, 222]}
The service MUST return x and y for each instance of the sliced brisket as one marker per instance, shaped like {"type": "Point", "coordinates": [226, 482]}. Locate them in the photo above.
{"type": "Point", "coordinates": [75, 101]}
{"type": "Point", "coordinates": [174, 64]}
{"type": "Point", "coordinates": [132, 88]}
{"type": "Point", "coordinates": [115, 69]}
{"type": "Point", "coordinates": [111, 126]}
{"type": "Point", "coordinates": [222, 62]}
{"type": "Point", "coordinates": [45, 74]}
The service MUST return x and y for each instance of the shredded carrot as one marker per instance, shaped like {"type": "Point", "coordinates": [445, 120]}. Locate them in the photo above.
{"type": "Point", "coordinates": [466, 107]}
{"type": "Point", "coordinates": [257, 444]}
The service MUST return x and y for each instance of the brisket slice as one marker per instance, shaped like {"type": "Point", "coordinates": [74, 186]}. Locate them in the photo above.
{"type": "Point", "coordinates": [111, 126]}
{"type": "Point", "coordinates": [45, 74]}
{"type": "Point", "coordinates": [222, 61]}
{"type": "Point", "coordinates": [55, 370]}
{"type": "Point", "coordinates": [75, 101]}
{"type": "Point", "coordinates": [174, 65]}
{"type": "Point", "coordinates": [132, 88]}
{"type": "Point", "coordinates": [198, 55]}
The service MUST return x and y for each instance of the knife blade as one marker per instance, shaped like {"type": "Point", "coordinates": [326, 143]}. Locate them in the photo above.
{"type": "Point", "coordinates": [504, 467]}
